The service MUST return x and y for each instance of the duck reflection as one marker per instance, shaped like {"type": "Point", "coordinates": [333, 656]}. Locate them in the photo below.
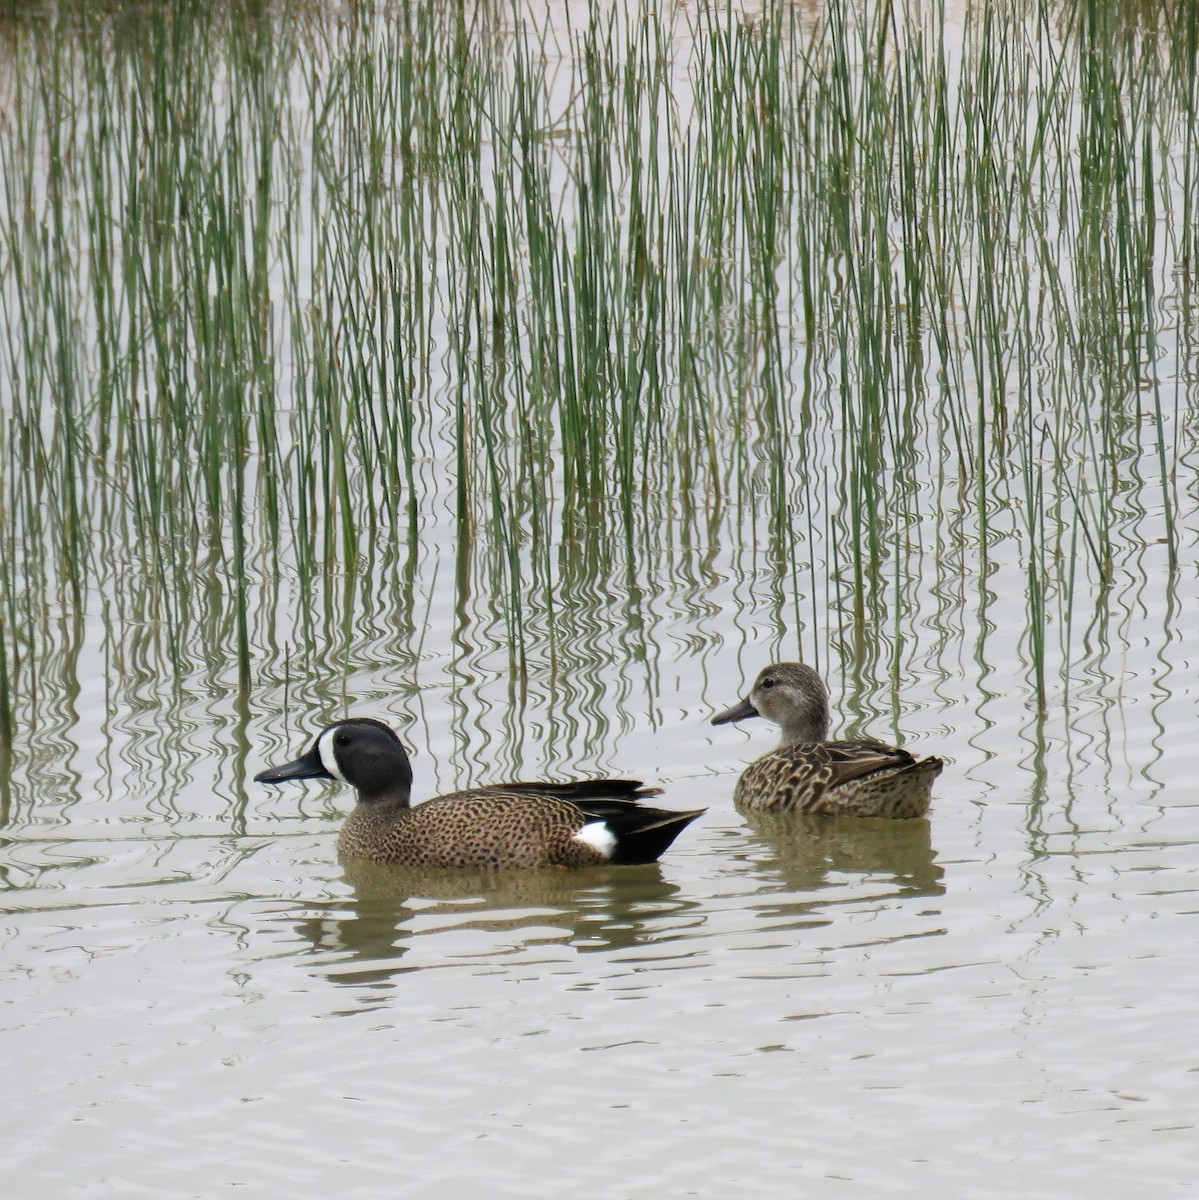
{"type": "Point", "coordinates": [814, 852]}
{"type": "Point", "coordinates": [393, 907]}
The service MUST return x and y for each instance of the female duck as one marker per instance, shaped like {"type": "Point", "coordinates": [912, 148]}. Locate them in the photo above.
{"type": "Point", "coordinates": [578, 824]}
{"type": "Point", "coordinates": [809, 774]}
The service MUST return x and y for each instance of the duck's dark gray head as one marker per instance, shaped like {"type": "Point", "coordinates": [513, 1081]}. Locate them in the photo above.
{"type": "Point", "coordinates": [362, 752]}
{"type": "Point", "coordinates": [789, 694]}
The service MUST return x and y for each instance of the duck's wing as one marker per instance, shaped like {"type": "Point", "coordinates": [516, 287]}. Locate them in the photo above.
{"type": "Point", "coordinates": [841, 762]}
{"type": "Point", "coordinates": [580, 823]}
{"type": "Point", "coordinates": [579, 791]}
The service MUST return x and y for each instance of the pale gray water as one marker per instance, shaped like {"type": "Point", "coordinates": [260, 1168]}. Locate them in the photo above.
{"type": "Point", "coordinates": [997, 1002]}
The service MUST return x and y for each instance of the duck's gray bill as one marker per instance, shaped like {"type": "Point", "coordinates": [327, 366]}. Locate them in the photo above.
{"type": "Point", "coordinates": [308, 767]}
{"type": "Point", "coordinates": [739, 712]}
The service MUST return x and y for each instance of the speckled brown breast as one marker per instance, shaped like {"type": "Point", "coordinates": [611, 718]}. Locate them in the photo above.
{"type": "Point", "coordinates": [483, 828]}
{"type": "Point", "coordinates": [858, 779]}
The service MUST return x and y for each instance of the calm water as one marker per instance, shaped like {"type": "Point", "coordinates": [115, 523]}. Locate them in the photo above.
{"type": "Point", "coordinates": [995, 1002]}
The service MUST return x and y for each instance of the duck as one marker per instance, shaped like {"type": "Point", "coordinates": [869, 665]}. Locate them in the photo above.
{"type": "Point", "coordinates": [807, 773]}
{"type": "Point", "coordinates": [581, 823]}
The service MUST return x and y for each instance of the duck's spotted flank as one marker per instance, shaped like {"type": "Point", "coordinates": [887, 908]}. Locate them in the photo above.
{"type": "Point", "coordinates": [577, 824]}
{"type": "Point", "coordinates": [809, 774]}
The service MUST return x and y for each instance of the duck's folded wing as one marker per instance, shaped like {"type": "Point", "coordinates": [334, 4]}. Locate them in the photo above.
{"type": "Point", "coordinates": [852, 760]}
{"type": "Point", "coordinates": [579, 791]}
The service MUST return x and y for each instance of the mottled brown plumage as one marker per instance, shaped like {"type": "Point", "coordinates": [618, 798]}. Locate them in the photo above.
{"type": "Point", "coordinates": [809, 774]}
{"type": "Point", "coordinates": [576, 824]}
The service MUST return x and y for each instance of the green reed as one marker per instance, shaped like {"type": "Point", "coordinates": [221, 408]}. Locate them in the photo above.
{"type": "Point", "coordinates": [631, 302]}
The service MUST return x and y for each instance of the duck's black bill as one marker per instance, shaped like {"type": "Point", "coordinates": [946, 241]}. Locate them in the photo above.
{"type": "Point", "coordinates": [739, 712]}
{"type": "Point", "coordinates": [308, 767]}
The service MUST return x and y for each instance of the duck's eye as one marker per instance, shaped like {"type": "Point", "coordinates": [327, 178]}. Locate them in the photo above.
{"type": "Point", "coordinates": [766, 683]}
{"type": "Point", "coordinates": [342, 739]}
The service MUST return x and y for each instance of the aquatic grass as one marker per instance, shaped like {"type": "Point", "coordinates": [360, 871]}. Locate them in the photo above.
{"type": "Point", "coordinates": [638, 304]}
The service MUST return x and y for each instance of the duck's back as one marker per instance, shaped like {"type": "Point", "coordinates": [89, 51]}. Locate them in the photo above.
{"type": "Point", "coordinates": [861, 779]}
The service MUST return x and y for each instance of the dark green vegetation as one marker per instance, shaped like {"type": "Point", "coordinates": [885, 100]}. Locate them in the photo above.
{"type": "Point", "coordinates": [825, 317]}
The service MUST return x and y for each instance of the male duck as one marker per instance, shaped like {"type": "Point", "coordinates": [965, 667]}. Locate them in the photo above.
{"type": "Point", "coordinates": [809, 774]}
{"type": "Point", "coordinates": [577, 824]}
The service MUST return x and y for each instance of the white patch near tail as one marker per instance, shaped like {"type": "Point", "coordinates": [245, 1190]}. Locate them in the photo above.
{"type": "Point", "coordinates": [599, 837]}
{"type": "Point", "coordinates": [324, 747]}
